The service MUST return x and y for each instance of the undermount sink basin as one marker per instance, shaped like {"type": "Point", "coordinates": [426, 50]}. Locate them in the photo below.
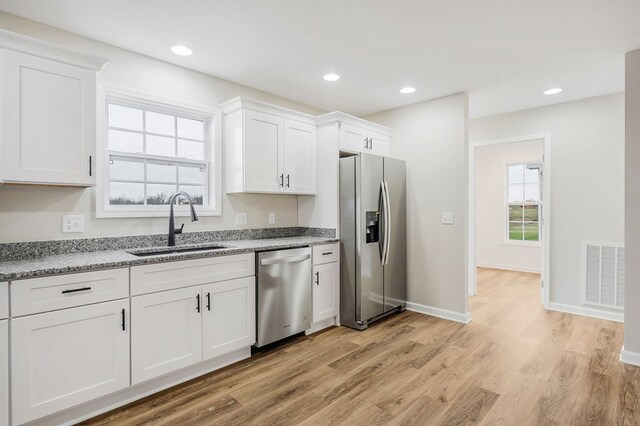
{"type": "Point", "coordinates": [153, 251]}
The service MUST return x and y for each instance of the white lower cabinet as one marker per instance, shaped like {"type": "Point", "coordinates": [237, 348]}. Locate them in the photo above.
{"type": "Point", "coordinates": [64, 358]}
{"type": "Point", "coordinates": [177, 328]}
{"type": "Point", "coordinates": [229, 320]}
{"type": "Point", "coordinates": [4, 373]}
{"type": "Point", "coordinates": [166, 332]}
{"type": "Point", "coordinates": [326, 288]}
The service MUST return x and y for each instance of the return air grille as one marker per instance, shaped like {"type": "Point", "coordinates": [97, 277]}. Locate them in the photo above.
{"type": "Point", "coordinates": [603, 283]}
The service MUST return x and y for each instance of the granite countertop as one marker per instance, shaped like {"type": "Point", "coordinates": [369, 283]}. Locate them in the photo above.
{"type": "Point", "coordinates": [88, 261]}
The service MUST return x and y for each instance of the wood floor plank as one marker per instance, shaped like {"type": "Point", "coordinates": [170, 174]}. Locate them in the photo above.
{"type": "Point", "coordinates": [513, 364]}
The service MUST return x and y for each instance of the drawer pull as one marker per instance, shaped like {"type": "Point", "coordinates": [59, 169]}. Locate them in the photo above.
{"type": "Point", "coordinates": [326, 253]}
{"type": "Point", "coordinates": [75, 290]}
{"type": "Point", "coordinates": [123, 322]}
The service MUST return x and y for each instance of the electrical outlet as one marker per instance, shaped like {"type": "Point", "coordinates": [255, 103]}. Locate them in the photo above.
{"type": "Point", "coordinates": [272, 218]}
{"type": "Point", "coordinates": [73, 223]}
{"type": "Point", "coordinates": [447, 218]}
{"type": "Point", "coordinates": [241, 218]}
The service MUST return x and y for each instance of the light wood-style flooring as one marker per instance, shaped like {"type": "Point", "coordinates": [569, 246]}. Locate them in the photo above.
{"type": "Point", "coordinates": [514, 364]}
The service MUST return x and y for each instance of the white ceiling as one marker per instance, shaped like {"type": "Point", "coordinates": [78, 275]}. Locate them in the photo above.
{"type": "Point", "coordinates": [503, 52]}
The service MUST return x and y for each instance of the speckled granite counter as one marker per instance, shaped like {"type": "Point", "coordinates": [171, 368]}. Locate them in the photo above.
{"type": "Point", "coordinates": [87, 261]}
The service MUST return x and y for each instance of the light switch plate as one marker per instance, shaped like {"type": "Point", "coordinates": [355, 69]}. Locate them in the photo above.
{"type": "Point", "coordinates": [447, 218]}
{"type": "Point", "coordinates": [73, 223]}
{"type": "Point", "coordinates": [241, 218]}
{"type": "Point", "coordinates": [272, 218]}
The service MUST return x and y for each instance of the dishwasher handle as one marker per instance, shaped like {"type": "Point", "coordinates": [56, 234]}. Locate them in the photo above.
{"type": "Point", "coordinates": [288, 259]}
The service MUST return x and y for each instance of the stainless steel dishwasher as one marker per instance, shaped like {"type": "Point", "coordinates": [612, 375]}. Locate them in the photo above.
{"type": "Point", "coordinates": [284, 294]}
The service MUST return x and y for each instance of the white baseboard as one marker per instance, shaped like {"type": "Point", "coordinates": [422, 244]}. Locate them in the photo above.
{"type": "Point", "coordinates": [440, 313]}
{"type": "Point", "coordinates": [508, 267]}
{"type": "Point", "coordinates": [587, 312]}
{"type": "Point", "coordinates": [628, 357]}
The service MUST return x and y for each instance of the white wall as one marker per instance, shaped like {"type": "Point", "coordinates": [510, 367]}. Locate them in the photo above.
{"type": "Point", "coordinates": [30, 213]}
{"type": "Point", "coordinates": [632, 209]}
{"type": "Point", "coordinates": [432, 138]}
{"type": "Point", "coordinates": [492, 248]}
{"type": "Point", "coordinates": [587, 172]}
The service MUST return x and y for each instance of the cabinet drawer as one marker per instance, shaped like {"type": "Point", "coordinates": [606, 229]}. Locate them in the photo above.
{"type": "Point", "coordinates": [326, 253]}
{"type": "Point", "coordinates": [186, 273]}
{"type": "Point", "coordinates": [36, 295]}
{"type": "Point", "coordinates": [4, 300]}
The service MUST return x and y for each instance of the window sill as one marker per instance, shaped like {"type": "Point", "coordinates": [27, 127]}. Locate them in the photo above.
{"type": "Point", "coordinates": [522, 243]}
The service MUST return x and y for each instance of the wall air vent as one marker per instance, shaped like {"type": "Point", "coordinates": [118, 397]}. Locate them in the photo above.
{"type": "Point", "coordinates": [603, 275]}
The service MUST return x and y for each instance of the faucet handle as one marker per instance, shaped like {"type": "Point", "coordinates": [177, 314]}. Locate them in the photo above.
{"type": "Point", "coordinates": [178, 230]}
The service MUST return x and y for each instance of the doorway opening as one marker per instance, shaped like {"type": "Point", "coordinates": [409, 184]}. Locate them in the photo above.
{"type": "Point", "coordinates": [509, 202]}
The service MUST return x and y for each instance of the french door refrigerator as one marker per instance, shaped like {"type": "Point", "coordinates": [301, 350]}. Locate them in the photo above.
{"type": "Point", "coordinates": [373, 267]}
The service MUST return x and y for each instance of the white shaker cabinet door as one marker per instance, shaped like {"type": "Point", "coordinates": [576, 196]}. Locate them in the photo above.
{"type": "Point", "coordinates": [353, 138]}
{"type": "Point", "coordinates": [263, 140]}
{"type": "Point", "coordinates": [229, 321]}
{"type": "Point", "coordinates": [299, 157]}
{"type": "Point", "coordinates": [166, 332]}
{"type": "Point", "coordinates": [379, 144]}
{"type": "Point", "coordinates": [4, 373]}
{"type": "Point", "coordinates": [48, 121]}
{"type": "Point", "coordinates": [326, 289]}
{"type": "Point", "coordinates": [64, 358]}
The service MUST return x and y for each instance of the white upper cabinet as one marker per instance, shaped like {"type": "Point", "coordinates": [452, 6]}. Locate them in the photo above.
{"type": "Point", "coordinates": [268, 149]}
{"type": "Point", "coordinates": [48, 114]}
{"type": "Point", "coordinates": [358, 135]}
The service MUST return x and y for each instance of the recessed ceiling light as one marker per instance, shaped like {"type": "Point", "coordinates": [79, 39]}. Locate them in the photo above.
{"type": "Point", "coordinates": [553, 91]}
{"type": "Point", "coordinates": [407, 90]}
{"type": "Point", "coordinates": [181, 50]}
{"type": "Point", "coordinates": [331, 77]}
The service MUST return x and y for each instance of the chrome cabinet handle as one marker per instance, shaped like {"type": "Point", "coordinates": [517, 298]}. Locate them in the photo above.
{"type": "Point", "coordinates": [209, 301]}
{"type": "Point", "coordinates": [282, 180]}
{"type": "Point", "coordinates": [90, 166]}
{"type": "Point", "coordinates": [317, 278]}
{"type": "Point", "coordinates": [198, 303]}
{"type": "Point", "coordinates": [287, 181]}
{"type": "Point", "coordinates": [326, 253]}
{"type": "Point", "coordinates": [123, 323]}
{"type": "Point", "coordinates": [366, 143]}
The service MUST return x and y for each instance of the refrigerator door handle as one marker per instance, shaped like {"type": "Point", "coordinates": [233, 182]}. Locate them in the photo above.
{"type": "Point", "coordinates": [381, 223]}
{"type": "Point", "coordinates": [387, 223]}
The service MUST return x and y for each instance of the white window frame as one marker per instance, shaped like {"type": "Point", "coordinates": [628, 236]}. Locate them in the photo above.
{"type": "Point", "coordinates": [507, 240]}
{"type": "Point", "coordinates": [213, 154]}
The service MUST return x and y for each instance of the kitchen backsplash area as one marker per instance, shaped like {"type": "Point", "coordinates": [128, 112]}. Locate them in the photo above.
{"type": "Point", "coordinates": [25, 250]}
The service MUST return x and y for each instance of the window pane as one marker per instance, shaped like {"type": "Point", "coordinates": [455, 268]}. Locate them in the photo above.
{"type": "Point", "coordinates": [190, 174]}
{"type": "Point", "coordinates": [530, 213]}
{"type": "Point", "coordinates": [515, 213]}
{"type": "Point", "coordinates": [515, 231]}
{"type": "Point", "coordinates": [159, 145]}
{"type": "Point", "coordinates": [516, 193]}
{"type": "Point", "coordinates": [125, 141]}
{"type": "Point", "coordinates": [531, 192]}
{"type": "Point", "coordinates": [531, 231]}
{"type": "Point", "coordinates": [516, 174]}
{"type": "Point", "coordinates": [190, 129]}
{"type": "Point", "coordinates": [159, 194]}
{"type": "Point", "coordinates": [196, 192]}
{"type": "Point", "coordinates": [191, 150]}
{"type": "Point", "coordinates": [121, 169]}
{"type": "Point", "coordinates": [531, 175]}
{"type": "Point", "coordinates": [161, 173]}
{"type": "Point", "coordinates": [125, 117]}
{"type": "Point", "coordinates": [123, 194]}
{"type": "Point", "coordinates": [160, 123]}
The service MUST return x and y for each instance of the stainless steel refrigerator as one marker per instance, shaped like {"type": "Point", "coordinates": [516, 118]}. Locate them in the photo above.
{"type": "Point", "coordinates": [373, 267]}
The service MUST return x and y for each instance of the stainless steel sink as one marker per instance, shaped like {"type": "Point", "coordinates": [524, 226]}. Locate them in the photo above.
{"type": "Point", "coordinates": [153, 251]}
